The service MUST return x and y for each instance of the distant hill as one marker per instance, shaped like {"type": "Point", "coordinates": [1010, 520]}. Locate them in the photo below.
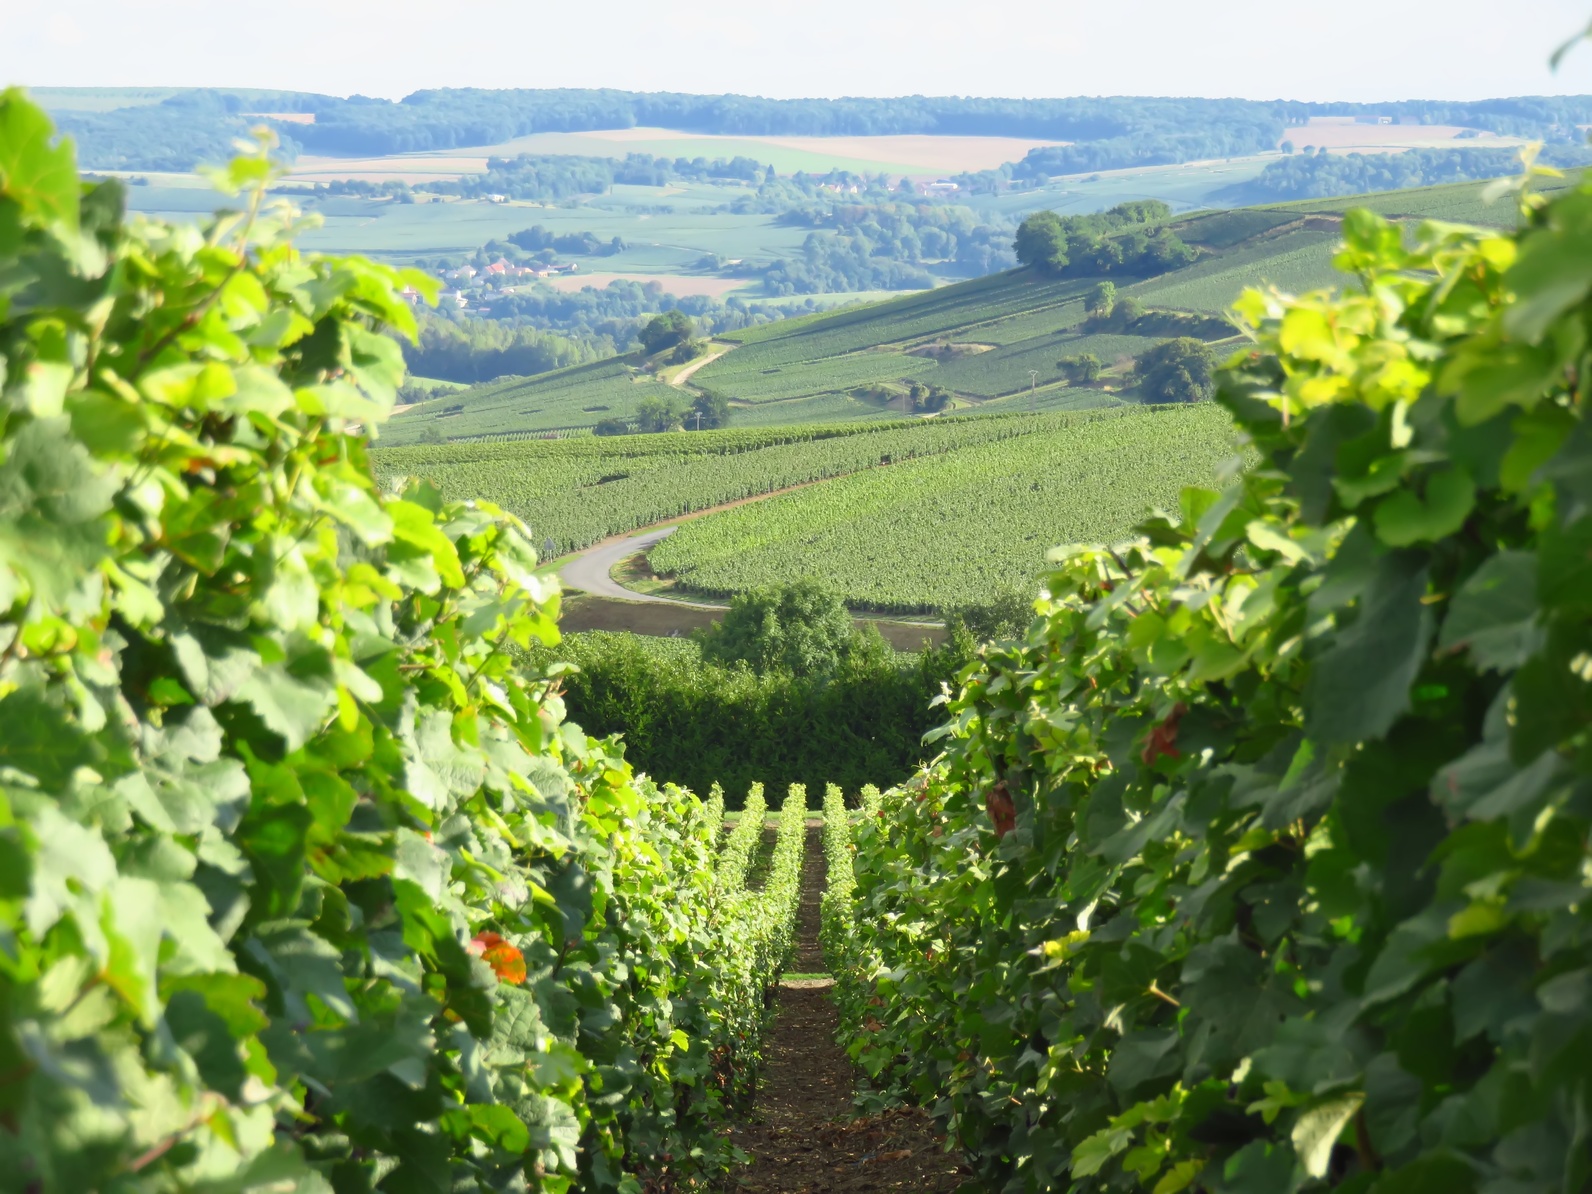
{"type": "Point", "coordinates": [154, 130]}
{"type": "Point", "coordinates": [997, 343]}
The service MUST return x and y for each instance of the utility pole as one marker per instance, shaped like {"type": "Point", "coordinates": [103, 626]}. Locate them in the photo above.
{"type": "Point", "coordinates": [1033, 387]}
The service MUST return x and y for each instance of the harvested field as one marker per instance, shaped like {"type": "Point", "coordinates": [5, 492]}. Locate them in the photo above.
{"type": "Point", "coordinates": [1342, 134]}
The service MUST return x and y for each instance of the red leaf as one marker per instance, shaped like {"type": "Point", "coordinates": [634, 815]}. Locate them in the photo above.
{"type": "Point", "coordinates": [1002, 812]}
{"type": "Point", "coordinates": [1163, 738]}
{"type": "Point", "coordinates": [506, 960]}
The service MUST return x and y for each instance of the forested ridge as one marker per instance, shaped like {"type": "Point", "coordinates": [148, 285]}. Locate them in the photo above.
{"type": "Point", "coordinates": [195, 125]}
{"type": "Point", "coordinates": [1320, 175]}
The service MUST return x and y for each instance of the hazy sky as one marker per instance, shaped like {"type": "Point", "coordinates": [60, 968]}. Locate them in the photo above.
{"type": "Point", "coordinates": [1337, 49]}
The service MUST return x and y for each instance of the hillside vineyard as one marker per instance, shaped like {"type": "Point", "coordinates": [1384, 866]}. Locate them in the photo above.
{"type": "Point", "coordinates": [1248, 852]}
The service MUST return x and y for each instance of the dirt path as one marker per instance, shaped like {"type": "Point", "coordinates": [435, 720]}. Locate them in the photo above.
{"type": "Point", "coordinates": [800, 1134]}
{"type": "Point", "coordinates": [684, 375]}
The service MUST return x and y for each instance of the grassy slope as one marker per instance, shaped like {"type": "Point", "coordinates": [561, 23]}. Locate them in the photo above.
{"type": "Point", "coordinates": [806, 369]}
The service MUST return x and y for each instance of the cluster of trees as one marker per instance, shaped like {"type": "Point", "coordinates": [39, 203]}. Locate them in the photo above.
{"type": "Point", "coordinates": [784, 690]}
{"type": "Point", "coordinates": [708, 411]}
{"type": "Point", "coordinates": [842, 261]}
{"type": "Point", "coordinates": [1083, 369]}
{"type": "Point", "coordinates": [1178, 370]}
{"type": "Point", "coordinates": [560, 176]}
{"type": "Point", "coordinates": [918, 231]}
{"type": "Point", "coordinates": [672, 329]}
{"type": "Point", "coordinates": [927, 399]}
{"type": "Point", "coordinates": [1122, 240]}
{"type": "Point", "coordinates": [464, 349]}
{"type": "Point", "coordinates": [356, 188]}
{"type": "Point", "coordinates": [537, 239]}
{"type": "Point", "coordinates": [450, 118]}
{"type": "Point", "coordinates": [174, 135]}
{"type": "Point", "coordinates": [1319, 175]}
{"type": "Point", "coordinates": [1239, 139]}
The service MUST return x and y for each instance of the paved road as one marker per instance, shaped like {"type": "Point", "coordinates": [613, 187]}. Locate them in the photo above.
{"type": "Point", "coordinates": [589, 571]}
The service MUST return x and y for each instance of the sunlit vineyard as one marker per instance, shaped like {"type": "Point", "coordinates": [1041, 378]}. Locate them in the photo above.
{"type": "Point", "coordinates": [1294, 261]}
{"type": "Point", "coordinates": [575, 492]}
{"type": "Point", "coordinates": [960, 526]}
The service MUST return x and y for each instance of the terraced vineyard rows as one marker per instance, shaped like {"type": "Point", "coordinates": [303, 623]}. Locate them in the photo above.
{"type": "Point", "coordinates": [1294, 261]}
{"type": "Point", "coordinates": [1006, 370]}
{"type": "Point", "coordinates": [573, 398]}
{"type": "Point", "coordinates": [575, 492]}
{"type": "Point", "coordinates": [961, 526]}
{"type": "Point", "coordinates": [820, 408]}
{"type": "Point", "coordinates": [753, 379]}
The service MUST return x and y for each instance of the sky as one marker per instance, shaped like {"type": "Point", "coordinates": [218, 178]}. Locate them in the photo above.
{"type": "Point", "coordinates": [1363, 50]}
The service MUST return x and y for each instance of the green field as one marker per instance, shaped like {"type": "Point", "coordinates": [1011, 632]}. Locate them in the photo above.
{"type": "Point", "coordinates": [574, 492]}
{"type": "Point", "coordinates": [960, 526]}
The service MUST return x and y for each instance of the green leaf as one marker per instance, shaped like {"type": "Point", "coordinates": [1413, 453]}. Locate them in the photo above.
{"type": "Point", "coordinates": [1564, 578]}
{"type": "Point", "coordinates": [1405, 519]}
{"type": "Point", "coordinates": [1553, 271]}
{"type": "Point", "coordinates": [273, 838]}
{"type": "Point", "coordinates": [40, 177]}
{"type": "Point", "coordinates": [1360, 685]}
{"type": "Point", "coordinates": [295, 699]}
{"type": "Point", "coordinates": [1493, 616]}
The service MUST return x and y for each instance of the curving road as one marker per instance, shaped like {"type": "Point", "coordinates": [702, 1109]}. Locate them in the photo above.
{"type": "Point", "coordinates": [589, 571]}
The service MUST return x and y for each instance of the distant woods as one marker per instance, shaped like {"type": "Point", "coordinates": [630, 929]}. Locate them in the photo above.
{"type": "Point", "coordinates": [1323, 175]}
{"type": "Point", "coordinates": [1104, 133]}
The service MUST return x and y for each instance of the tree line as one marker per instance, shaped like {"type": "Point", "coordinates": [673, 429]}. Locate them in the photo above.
{"type": "Point", "coordinates": [1321, 175]}
{"type": "Point", "coordinates": [198, 125]}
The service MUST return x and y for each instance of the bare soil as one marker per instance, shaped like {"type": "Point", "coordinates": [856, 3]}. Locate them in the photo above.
{"type": "Point", "coordinates": [801, 1134]}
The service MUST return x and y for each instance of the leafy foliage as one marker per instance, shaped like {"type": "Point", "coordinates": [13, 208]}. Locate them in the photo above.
{"type": "Point", "coordinates": [1180, 370]}
{"type": "Point", "coordinates": [1261, 864]}
{"type": "Point", "coordinates": [799, 627]}
{"type": "Point", "coordinates": [304, 883]}
{"type": "Point", "coordinates": [1112, 242]}
{"type": "Point", "coordinates": [689, 721]}
{"type": "Point", "coordinates": [665, 331]}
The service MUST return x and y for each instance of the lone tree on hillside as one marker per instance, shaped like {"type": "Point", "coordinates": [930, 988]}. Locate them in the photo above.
{"type": "Point", "coordinates": [1041, 243]}
{"type": "Point", "coordinates": [1082, 369]}
{"type": "Point", "coordinates": [666, 330]}
{"type": "Point", "coordinates": [1101, 300]}
{"type": "Point", "coordinates": [1177, 371]}
{"type": "Point", "coordinates": [714, 409]}
{"type": "Point", "coordinates": [658, 414]}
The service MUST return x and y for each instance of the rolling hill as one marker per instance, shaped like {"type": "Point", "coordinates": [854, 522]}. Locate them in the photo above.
{"type": "Point", "coordinates": [994, 343]}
